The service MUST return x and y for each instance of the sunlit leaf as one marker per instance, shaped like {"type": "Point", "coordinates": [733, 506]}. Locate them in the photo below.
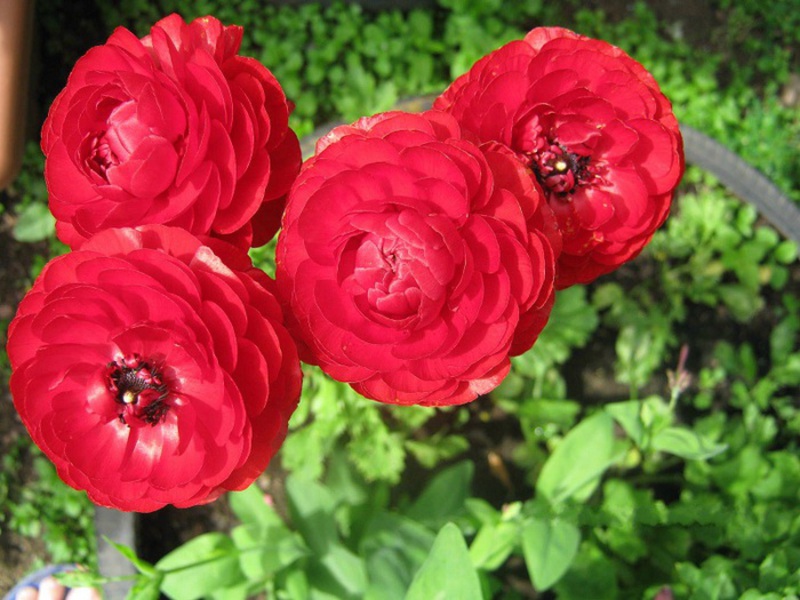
{"type": "Point", "coordinates": [549, 548]}
{"type": "Point", "coordinates": [447, 573]}
{"type": "Point", "coordinates": [579, 461]}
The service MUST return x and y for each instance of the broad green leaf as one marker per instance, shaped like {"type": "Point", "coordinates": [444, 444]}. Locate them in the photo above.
{"type": "Point", "coordinates": [395, 547]}
{"type": "Point", "coordinates": [444, 496]}
{"type": "Point", "coordinates": [146, 588]}
{"type": "Point", "coordinates": [348, 569]}
{"type": "Point", "coordinates": [35, 223]}
{"type": "Point", "coordinates": [250, 506]}
{"type": "Point", "coordinates": [387, 575]}
{"type": "Point", "coordinates": [549, 548]}
{"type": "Point", "coordinates": [264, 551]}
{"type": "Point", "coordinates": [338, 573]}
{"type": "Point", "coordinates": [493, 544]}
{"type": "Point", "coordinates": [579, 461]}
{"type": "Point", "coordinates": [482, 511]}
{"type": "Point", "coordinates": [333, 570]}
{"type": "Point", "coordinates": [205, 564]}
{"type": "Point", "coordinates": [312, 508]}
{"type": "Point", "coordinates": [239, 592]}
{"type": "Point", "coordinates": [629, 415]}
{"type": "Point", "coordinates": [686, 444]}
{"type": "Point", "coordinates": [786, 252]}
{"type": "Point", "coordinates": [447, 572]}
{"type": "Point", "coordinates": [296, 586]}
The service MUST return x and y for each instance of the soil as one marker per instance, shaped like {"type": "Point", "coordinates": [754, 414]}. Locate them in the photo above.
{"type": "Point", "coordinates": [591, 367]}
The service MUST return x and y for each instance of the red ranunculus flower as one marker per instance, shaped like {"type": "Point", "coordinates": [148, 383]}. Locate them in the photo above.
{"type": "Point", "coordinates": [596, 132]}
{"type": "Point", "coordinates": [412, 261]}
{"type": "Point", "coordinates": [174, 128]}
{"type": "Point", "coordinates": [153, 370]}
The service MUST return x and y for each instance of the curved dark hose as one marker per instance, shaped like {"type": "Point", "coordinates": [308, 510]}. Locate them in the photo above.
{"type": "Point", "coordinates": [745, 181]}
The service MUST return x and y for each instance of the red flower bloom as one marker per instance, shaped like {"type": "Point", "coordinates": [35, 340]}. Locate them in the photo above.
{"type": "Point", "coordinates": [412, 261]}
{"type": "Point", "coordinates": [153, 370]}
{"type": "Point", "coordinates": [596, 132]}
{"type": "Point", "coordinates": [176, 129]}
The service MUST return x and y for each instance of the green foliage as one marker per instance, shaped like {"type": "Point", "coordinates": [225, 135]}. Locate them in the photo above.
{"type": "Point", "coordinates": [713, 252]}
{"type": "Point", "coordinates": [549, 548]}
{"type": "Point", "coordinates": [345, 541]}
{"type": "Point", "coordinates": [34, 221]}
{"type": "Point", "coordinates": [46, 508]}
{"type": "Point", "coordinates": [378, 438]}
{"type": "Point", "coordinates": [448, 555]}
{"type": "Point", "coordinates": [768, 36]}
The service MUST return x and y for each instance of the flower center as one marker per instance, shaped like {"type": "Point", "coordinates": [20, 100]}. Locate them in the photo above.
{"type": "Point", "coordinates": [139, 389]}
{"type": "Point", "coordinates": [558, 170]}
{"type": "Point", "coordinates": [99, 155]}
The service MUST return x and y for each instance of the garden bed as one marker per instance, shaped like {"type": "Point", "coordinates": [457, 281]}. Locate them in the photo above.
{"type": "Point", "coordinates": [620, 338]}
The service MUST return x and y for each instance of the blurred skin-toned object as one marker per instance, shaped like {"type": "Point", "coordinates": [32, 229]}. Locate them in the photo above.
{"type": "Point", "coordinates": [15, 35]}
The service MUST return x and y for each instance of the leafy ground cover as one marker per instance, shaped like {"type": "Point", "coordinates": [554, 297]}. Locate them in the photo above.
{"type": "Point", "coordinates": [650, 437]}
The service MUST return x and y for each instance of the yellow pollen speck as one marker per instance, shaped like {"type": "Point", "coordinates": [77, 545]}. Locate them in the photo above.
{"type": "Point", "coordinates": [128, 397]}
{"type": "Point", "coordinates": [561, 166]}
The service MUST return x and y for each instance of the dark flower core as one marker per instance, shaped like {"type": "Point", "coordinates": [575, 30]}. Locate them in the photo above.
{"type": "Point", "coordinates": [558, 170]}
{"type": "Point", "coordinates": [100, 156]}
{"type": "Point", "coordinates": [138, 387]}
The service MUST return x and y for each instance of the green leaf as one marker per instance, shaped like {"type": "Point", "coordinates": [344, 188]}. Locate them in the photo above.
{"type": "Point", "coordinates": [444, 496]}
{"type": "Point", "coordinates": [579, 461]}
{"type": "Point", "coordinates": [572, 322]}
{"type": "Point", "coordinates": [339, 573]}
{"type": "Point", "coordinates": [742, 302]}
{"type": "Point", "coordinates": [395, 547]}
{"type": "Point", "coordinates": [266, 550]}
{"type": "Point", "coordinates": [243, 591]}
{"type": "Point", "coordinates": [334, 569]}
{"type": "Point", "coordinates": [296, 587]}
{"type": "Point", "coordinates": [493, 544]}
{"type": "Point", "coordinates": [640, 350]}
{"type": "Point", "coordinates": [549, 548]}
{"type": "Point", "coordinates": [205, 564]}
{"type": "Point", "coordinates": [629, 415]}
{"type": "Point", "coordinates": [447, 572]}
{"type": "Point", "coordinates": [250, 506]}
{"type": "Point", "coordinates": [686, 444]}
{"type": "Point", "coordinates": [146, 588]}
{"type": "Point", "coordinates": [786, 252]}
{"type": "Point", "coordinates": [312, 508]}
{"type": "Point", "coordinates": [641, 418]}
{"type": "Point", "coordinates": [35, 223]}
{"type": "Point", "coordinates": [141, 565]}
{"type": "Point", "coordinates": [592, 575]}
